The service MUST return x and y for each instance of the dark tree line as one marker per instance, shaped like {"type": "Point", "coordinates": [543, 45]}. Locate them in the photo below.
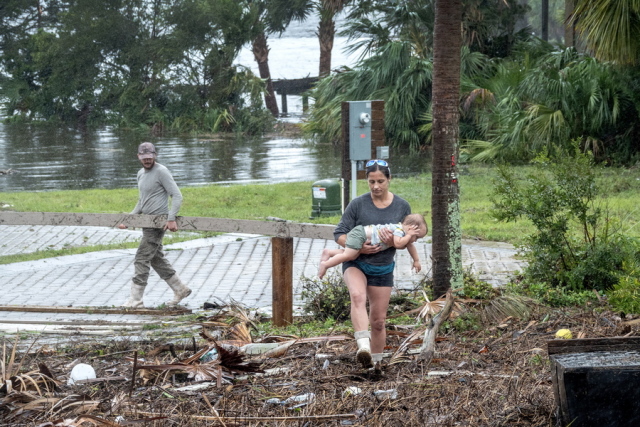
{"type": "Point", "coordinates": [157, 63]}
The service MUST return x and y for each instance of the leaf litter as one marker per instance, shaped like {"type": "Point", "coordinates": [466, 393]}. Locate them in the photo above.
{"type": "Point", "coordinates": [497, 374]}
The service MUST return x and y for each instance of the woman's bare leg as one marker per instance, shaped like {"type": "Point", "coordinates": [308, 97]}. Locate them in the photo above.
{"type": "Point", "coordinates": [378, 306]}
{"type": "Point", "coordinates": [357, 283]}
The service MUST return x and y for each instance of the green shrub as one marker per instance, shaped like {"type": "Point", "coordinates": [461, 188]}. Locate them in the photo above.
{"type": "Point", "coordinates": [625, 296]}
{"type": "Point", "coordinates": [577, 244]}
{"type": "Point", "coordinates": [469, 321]}
{"type": "Point", "coordinates": [326, 298]}
{"type": "Point", "coordinates": [552, 296]}
{"type": "Point", "coordinates": [475, 288]}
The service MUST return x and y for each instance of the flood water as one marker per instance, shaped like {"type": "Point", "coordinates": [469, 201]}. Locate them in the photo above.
{"type": "Point", "coordinates": [44, 158]}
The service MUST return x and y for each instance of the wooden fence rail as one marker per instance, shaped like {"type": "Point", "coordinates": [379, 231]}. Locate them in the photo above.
{"type": "Point", "coordinates": [282, 233]}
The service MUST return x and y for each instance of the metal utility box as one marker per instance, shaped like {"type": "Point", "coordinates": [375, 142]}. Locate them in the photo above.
{"type": "Point", "coordinates": [326, 198]}
{"type": "Point", "coordinates": [596, 382]}
{"type": "Point", "coordinates": [359, 130]}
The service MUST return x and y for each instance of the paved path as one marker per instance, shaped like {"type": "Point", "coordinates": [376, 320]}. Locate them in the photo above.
{"type": "Point", "coordinates": [218, 269]}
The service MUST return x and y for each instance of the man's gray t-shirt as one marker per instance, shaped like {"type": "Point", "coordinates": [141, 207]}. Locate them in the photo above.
{"type": "Point", "coordinates": [362, 211]}
{"type": "Point", "coordinates": [155, 186]}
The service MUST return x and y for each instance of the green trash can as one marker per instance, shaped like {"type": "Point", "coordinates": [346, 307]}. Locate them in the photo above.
{"type": "Point", "coordinates": [326, 198]}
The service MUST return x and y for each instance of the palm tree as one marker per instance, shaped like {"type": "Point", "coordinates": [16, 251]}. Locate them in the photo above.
{"type": "Point", "coordinates": [273, 17]}
{"type": "Point", "coordinates": [569, 27]}
{"type": "Point", "coordinates": [609, 28]}
{"type": "Point", "coordinates": [445, 203]}
{"type": "Point", "coordinates": [327, 30]}
{"type": "Point", "coordinates": [549, 99]}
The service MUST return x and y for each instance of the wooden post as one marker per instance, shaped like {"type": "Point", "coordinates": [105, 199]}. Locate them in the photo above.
{"type": "Point", "coordinates": [282, 277]}
{"type": "Point", "coordinates": [377, 128]}
{"type": "Point", "coordinates": [346, 163]}
{"type": "Point", "coordinates": [305, 103]}
{"type": "Point", "coordinates": [283, 98]}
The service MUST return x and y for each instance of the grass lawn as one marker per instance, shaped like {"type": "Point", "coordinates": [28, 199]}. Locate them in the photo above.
{"type": "Point", "coordinates": [292, 201]}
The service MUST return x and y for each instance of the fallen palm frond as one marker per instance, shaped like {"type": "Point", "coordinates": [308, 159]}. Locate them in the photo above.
{"type": "Point", "coordinates": [228, 359]}
{"type": "Point", "coordinates": [26, 405]}
{"type": "Point", "coordinates": [434, 322]}
{"type": "Point", "coordinates": [240, 332]}
{"type": "Point", "coordinates": [504, 306]}
{"type": "Point", "coordinates": [400, 355]}
{"type": "Point", "coordinates": [74, 404]}
{"type": "Point", "coordinates": [238, 311]}
{"type": "Point", "coordinates": [30, 381]}
{"type": "Point", "coordinates": [431, 308]}
{"type": "Point", "coordinates": [37, 380]}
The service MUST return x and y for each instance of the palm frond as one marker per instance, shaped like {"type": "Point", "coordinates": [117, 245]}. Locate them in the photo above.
{"type": "Point", "coordinates": [505, 306]}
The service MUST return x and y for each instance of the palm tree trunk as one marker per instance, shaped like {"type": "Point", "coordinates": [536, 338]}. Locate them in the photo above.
{"type": "Point", "coordinates": [261, 55]}
{"type": "Point", "coordinates": [445, 203]}
{"type": "Point", "coordinates": [569, 27]}
{"type": "Point", "coordinates": [326, 33]}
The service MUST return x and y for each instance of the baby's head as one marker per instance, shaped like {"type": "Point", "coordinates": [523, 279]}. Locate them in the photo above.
{"type": "Point", "coordinates": [417, 220]}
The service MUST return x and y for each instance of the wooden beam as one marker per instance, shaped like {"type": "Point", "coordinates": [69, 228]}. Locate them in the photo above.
{"type": "Point", "coordinates": [588, 345]}
{"type": "Point", "coordinates": [282, 277]}
{"type": "Point", "coordinates": [266, 228]}
{"type": "Point", "coordinates": [93, 310]}
{"type": "Point", "coordinates": [282, 247]}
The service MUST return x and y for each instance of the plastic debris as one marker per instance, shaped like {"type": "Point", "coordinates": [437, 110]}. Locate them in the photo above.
{"type": "Point", "coordinates": [386, 394]}
{"type": "Point", "coordinates": [209, 356]}
{"type": "Point", "coordinates": [351, 391]}
{"type": "Point", "coordinates": [299, 400]}
{"type": "Point", "coordinates": [80, 372]}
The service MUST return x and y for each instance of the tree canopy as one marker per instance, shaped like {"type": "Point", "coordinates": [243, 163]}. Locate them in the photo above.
{"type": "Point", "coordinates": [162, 63]}
{"type": "Point", "coordinates": [519, 94]}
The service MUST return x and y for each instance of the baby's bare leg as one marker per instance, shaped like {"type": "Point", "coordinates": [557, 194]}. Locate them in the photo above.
{"type": "Point", "coordinates": [328, 253]}
{"type": "Point", "coordinates": [335, 257]}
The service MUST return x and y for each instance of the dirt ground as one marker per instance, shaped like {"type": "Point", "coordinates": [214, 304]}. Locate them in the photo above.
{"type": "Point", "coordinates": [497, 375]}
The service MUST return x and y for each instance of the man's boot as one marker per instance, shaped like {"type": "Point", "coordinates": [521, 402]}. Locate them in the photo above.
{"type": "Point", "coordinates": [135, 300]}
{"type": "Point", "coordinates": [363, 355]}
{"type": "Point", "coordinates": [180, 290]}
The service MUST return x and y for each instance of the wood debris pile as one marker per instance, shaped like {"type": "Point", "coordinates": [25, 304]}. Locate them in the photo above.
{"type": "Point", "coordinates": [497, 375]}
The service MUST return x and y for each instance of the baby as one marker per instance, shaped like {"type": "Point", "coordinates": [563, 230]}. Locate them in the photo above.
{"type": "Point", "coordinates": [412, 228]}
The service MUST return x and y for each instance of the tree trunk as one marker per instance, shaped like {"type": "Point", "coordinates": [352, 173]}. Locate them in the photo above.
{"type": "Point", "coordinates": [445, 203]}
{"type": "Point", "coordinates": [261, 55]}
{"type": "Point", "coordinates": [544, 19]}
{"type": "Point", "coordinates": [326, 33]}
{"type": "Point", "coordinates": [569, 26]}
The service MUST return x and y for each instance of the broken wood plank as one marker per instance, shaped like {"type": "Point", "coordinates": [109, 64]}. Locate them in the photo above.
{"type": "Point", "coordinates": [588, 345]}
{"type": "Point", "coordinates": [94, 310]}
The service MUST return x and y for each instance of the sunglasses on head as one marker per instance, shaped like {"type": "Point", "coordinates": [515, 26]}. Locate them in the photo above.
{"type": "Point", "coordinates": [377, 162]}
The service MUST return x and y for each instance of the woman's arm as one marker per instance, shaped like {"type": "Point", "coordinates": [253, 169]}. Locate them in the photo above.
{"type": "Point", "coordinates": [347, 222]}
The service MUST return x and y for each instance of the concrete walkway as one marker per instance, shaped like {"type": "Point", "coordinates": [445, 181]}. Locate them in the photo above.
{"type": "Point", "coordinates": [230, 267]}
